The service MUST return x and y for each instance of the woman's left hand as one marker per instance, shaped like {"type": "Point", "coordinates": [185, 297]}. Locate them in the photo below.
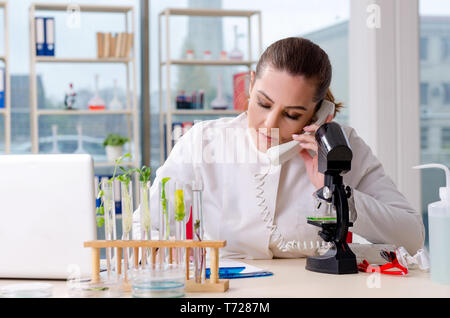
{"type": "Point", "coordinates": [311, 163]}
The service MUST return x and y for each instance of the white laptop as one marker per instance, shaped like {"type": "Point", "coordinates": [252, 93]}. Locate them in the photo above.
{"type": "Point", "coordinates": [47, 212]}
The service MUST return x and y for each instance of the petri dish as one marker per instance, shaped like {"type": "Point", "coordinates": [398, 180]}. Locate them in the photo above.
{"type": "Point", "coordinates": [111, 288]}
{"type": "Point", "coordinates": [158, 281]}
{"type": "Point", "coordinates": [27, 290]}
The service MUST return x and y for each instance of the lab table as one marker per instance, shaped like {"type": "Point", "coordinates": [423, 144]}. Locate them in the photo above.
{"type": "Point", "coordinates": [292, 280]}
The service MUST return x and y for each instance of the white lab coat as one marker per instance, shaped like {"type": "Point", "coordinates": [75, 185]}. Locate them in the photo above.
{"type": "Point", "coordinates": [230, 204]}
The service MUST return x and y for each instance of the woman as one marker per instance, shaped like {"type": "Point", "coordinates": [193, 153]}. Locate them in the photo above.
{"type": "Point", "coordinates": [260, 209]}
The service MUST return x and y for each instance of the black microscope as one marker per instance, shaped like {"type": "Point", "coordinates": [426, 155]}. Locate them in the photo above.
{"type": "Point", "coordinates": [335, 157]}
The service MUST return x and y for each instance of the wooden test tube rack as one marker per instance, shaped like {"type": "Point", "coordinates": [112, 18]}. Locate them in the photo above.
{"type": "Point", "coordinates": [213, 284]}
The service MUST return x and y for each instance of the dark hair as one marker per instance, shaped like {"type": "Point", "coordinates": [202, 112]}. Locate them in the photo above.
{"type": "Point", "coordinates": [300, 56]}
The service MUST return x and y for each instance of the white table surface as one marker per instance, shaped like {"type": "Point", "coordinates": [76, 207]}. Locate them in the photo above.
{"type": "Point", "coordinates": [292, 280]}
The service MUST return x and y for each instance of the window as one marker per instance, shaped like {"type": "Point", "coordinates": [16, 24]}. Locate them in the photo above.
{"type": "Point", "coordinates": [423, 49]}
{"type": "Point", "coordinates": [434, 25]}
{"type": "Point", "coordinates": [446, 87]}
{"type": "Point", "coordinates": [445, 138]}
{"type": "Point", "coordinates": [445, 42]}
{"type": "Point", "coordinates": [324, 22]}
{"type": "Point", "coordinates": [424, 137]}
{"type": "Point", "coordinates": [424, 93]}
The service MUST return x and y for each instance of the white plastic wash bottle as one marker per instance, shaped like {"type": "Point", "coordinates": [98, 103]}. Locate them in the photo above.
{"type": "Point", "coordinates": [439, 230]}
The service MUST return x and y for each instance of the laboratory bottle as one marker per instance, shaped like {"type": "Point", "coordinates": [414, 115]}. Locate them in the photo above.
{"type": "Point", "coordinates": [439, 230]}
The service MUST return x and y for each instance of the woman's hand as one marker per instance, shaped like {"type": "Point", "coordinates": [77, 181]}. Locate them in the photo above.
{"type": "Point", "coordinates": [311, 163]}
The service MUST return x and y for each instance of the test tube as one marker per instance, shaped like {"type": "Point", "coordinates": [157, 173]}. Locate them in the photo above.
{"type": "Point", "coordinates": [145, 217]}
{"type": "Point", "coordinates": [126, 188]}
{"type": "Point", "coordinates": [180, 223]}
{"type": "Point", "coordinates": [110, 222]}
{"type": "Point", "coordinates": [164, 218]}
{"type": "Point", "coordinates": [197, 230]}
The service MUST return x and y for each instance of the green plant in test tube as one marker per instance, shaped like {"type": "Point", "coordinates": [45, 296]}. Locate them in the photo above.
{"type": "Point", "coordinates": [180, 225]}
{"type": "Point", "coordinates": [144, 178]}
{"type": "Point", "coordinates": [100, 211]}
{"type": "Point", "coordinates": [144, 207]}
{"type": "Point", "coordinates": [164, 206]}
{"type": "Point", "coordinates": [109, 222]}
{"type": "Point", "coordinates": [127, 202]}
{"type": "Point", "coordinates": [108, 204]}
{"type": "Point", "coordinates": [126, 190]}
{"type": "Point", "coordinates": [179, 205]}
{"type": "Point", "coordinates": [106, 209]}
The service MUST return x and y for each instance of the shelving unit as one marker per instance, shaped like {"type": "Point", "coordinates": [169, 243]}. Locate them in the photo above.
{"type": "Point", "coordinates": [166, 115]}
{"type": "Point", "coordinates": [200, 112]}
{"type": "Point", "coordinates": [41, 112]}
{"type": "Point", "coordinates": [207, 62]}
{"type": "Point", "coordinates": [131, 110]}
{"type": "Point", "coordinates": [6, 112]}
{"type": "Point", "coordinates": [46, 59]}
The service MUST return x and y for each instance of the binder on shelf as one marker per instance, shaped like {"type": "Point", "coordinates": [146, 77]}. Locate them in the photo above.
{"type": "Point", "coordinates": [106, 44]}
{"type": "Point", "coordinates": [186, 126]}
{"type": "Point", "coordinates": [123, 46]}
{"type": "Point", "coordinates": [2, 87]}
{"type": "Point", "coordinates": [112, 44]}
{"type": "Point", "coordinates": [177, 132]}
{"type": "Point", "coordinates": [129, 45]}
{"type": "Point", "coordinates": [119, 43]}
{"type": "Point", "coordinates": [49, 42]}
{"type": "Point", "coordinates": [40, 35]}
{"type": "Point", "coordinates": [96, 187]}
{"type": "Point", "coordinates": [240, 90]}
{"type": "Point", "coordinates": [100, 45]}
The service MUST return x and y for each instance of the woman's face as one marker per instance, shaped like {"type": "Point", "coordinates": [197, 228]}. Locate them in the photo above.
{"type": "Point", "coordinates": [279, 102]}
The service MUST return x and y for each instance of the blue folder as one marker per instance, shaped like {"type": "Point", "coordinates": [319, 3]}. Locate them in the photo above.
{"type": "Point", "coordinates": [236, 272]}
{"type": "Point", "coordinates": [49, 45]}
{"type": "Point", "coordinates": [40, 35]}
{"type": "Point", "coordinates": [2, 87]}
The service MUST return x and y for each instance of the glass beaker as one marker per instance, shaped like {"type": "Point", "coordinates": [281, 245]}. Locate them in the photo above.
{"type": "Point", "coordinates": [126, 188]}
{"type": "Point", "coordinates": [197, 231]}
{"type": "Point", "coordinates": [161, 280]}
{"type": "Point", "coordinates": [145, 218]}
{"type": "Point", "coordinates": [110, 222]}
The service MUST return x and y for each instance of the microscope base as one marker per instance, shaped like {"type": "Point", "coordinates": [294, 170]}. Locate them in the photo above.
{"type": "Point", "coordinates": [335, 261]}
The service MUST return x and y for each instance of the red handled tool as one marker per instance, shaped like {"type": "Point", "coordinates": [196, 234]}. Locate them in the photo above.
{"type": "Point", "coordinates": [391, 257]}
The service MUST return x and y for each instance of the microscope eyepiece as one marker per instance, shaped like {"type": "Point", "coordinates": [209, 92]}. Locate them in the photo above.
{"type": "Point", "coordinates": [335, 154]}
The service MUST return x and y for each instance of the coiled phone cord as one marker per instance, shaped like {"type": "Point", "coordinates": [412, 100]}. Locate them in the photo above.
{"type": "Point", "coordinates": [275, 235]}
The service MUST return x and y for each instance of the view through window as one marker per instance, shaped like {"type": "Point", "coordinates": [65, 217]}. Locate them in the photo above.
{"type": "Point", "coordinates": [435, 95]}
{"type": "Point", "coordinates": [324, 22]}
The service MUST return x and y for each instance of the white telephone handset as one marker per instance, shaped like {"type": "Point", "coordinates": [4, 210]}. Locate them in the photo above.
{"type": "Point", "coordinates": [282, 153]}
